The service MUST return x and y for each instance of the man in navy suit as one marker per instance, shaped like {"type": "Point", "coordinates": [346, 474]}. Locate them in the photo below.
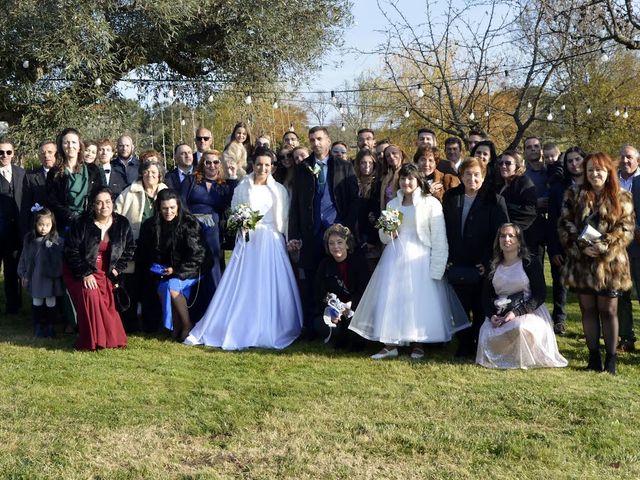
{"type": "Point", "coordinates": [11, 180]}
{"type": "Point", "coordinates": [34, 184]}
{"type": "Point", "coordinates": [183, 156]}
{"type": "Point", "coordinates": [325, 191]}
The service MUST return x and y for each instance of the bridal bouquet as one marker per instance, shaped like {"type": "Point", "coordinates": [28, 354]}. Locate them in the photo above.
{"type": "Point", "coordinates": [389, 220]}
{"type": "Point", "coordinates": [243, 219]}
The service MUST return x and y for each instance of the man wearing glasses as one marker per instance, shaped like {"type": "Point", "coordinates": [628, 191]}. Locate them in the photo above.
{"type": "Point", "coordinates": [204, 142]}
{"type": "Point", "coordinates": [11, 179]}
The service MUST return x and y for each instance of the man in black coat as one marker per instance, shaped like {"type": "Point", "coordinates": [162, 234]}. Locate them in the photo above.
{"type": "Point", "coordinates": [325, 191]}
{"type": "Point", "coordinates": [11, 180]}
{"type": "Point", "coordinates": [34, 188]}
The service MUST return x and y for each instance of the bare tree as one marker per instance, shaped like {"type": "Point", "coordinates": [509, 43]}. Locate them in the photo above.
{"type": "Point", "coordinates": [490, 66]}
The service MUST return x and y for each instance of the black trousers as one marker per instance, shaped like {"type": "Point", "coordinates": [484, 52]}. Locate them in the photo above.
{"type": "Point", "coordinates": [12, 287]}
{"type": "Point", "coordinates": [470, 297]}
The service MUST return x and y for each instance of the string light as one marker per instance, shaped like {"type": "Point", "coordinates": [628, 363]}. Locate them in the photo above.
{"type": "Point", "coordinates": [210, 99]}
{"type": "Point", "coordinates": [549, 116]}
{"type": "Point", "coordinates": [333, 96]}
{"type": "Point", "coordinates": [291, 128]}
{"type": "Point", "coordinates": [407, 114]}
{"type": "Point", "coordinates": [183, 122]}
{"type": "Point", "coordinates": [589, 110]}
{"type": "Point", "coordinates": [625, 115]}
{"type": "Point", "coordinates": [341, 109]}
{"type": "Point", "coordinates": [472, 116]}
{"type": "Point", "coordinates": [25, 64]}
{"type": "Point", "coordinates": [98, 82]}
{"type": "Point", "coordinates": [529, 105]}
{"type": "Point", "coordinates": [486, 113]}
{"type": "Point", "coordinates": [604, 57]}
{"type": "Point", "coordinates": [248, 100]}
{"type": "Point", "coordinates": [171, 93]}
{"type": "Point", "coordinates": [275, 104]}
{"type": "Point", "coordinates": [343, 128]}
{"type": "Point", "coordinates": [563, 107]}
{"type": "Point", "coordinates": [617, 112]}
{"type": "Point", "coordinates": [420, 92]}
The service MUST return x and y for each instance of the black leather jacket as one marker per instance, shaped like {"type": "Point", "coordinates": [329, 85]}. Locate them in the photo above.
{"type": "Point", "coordinates": [81, 245]}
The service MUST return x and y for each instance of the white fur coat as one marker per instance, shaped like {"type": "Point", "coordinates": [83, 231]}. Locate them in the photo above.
{"type": "Point", "coordinates": [242, 194]}
{"type": "Point", "coordinates": [430, 226]}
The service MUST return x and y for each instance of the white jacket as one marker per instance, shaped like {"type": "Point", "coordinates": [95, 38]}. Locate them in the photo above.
{"type": "Point", "coordinates": [242, 194]}
{"type": "Point", "coordinates": [431, 228]}
{"type": "Point", "coordinates": [130, 204]}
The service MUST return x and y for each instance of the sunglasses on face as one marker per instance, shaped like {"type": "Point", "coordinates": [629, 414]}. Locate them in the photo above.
{"type": "Point", "coordinates": [506, 163]}
{"type": "Point", "coordinates": [200, 139]}
{"type": "Point", "coordinates": [6, 152]}
{"type": "Point", "coordinates": [211, 163]}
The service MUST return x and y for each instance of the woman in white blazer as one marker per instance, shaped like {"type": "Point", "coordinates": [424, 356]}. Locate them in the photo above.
{"type": "Point", "coordinates": [406, 301]}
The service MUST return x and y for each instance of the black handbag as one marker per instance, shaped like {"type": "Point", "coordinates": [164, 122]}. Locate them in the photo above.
{"type": "Point", "coordinates": [457, 275]}
{"type": "Point", "coordinates": [121, 298]}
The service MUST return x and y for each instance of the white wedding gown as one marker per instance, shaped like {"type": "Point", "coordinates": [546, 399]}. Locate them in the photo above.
{"type": "Point", "coordinates": [257, 303]}
{"type": "Point", "coordinates": [526, 341]}
{"type": "Point", "coordinates": [402, 303]}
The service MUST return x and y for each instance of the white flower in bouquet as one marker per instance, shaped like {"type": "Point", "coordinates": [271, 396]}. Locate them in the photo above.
{"type": "Point", "coordinates": [389, 220]}
{"type": "Point", "coordinates": [243, 219]}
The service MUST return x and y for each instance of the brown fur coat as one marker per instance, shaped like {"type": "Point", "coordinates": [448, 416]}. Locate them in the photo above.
{"type": "Point", "coordinates": [610, 270]}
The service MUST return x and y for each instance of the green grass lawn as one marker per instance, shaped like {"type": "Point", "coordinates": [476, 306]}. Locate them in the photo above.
{"type": "Point", "coordinates": [162, 410]}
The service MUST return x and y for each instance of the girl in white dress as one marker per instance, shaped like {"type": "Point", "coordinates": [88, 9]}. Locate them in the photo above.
{"type": "Point", "coordinates": [257, 303]}
{"type": "Point", "coordinates": [518, 330]}
{"type": "Point", "coordinates": [406, 300]}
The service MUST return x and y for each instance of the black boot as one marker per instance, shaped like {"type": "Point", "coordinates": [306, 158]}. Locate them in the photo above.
{"type": "Point", "coordinates": [37, 316]}
{"type": "Point", "coordinates": [610, 360]}
{"type": "Point", "coordinates": [51, 314]}
{"type": "Point", "coordinates": [595, 361]}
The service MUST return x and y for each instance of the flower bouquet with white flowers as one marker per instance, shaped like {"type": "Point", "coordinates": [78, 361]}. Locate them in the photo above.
{"type": "Point", "coordinates": [243, 219]}
{"type": "Point", "coordinates": [389, 221]}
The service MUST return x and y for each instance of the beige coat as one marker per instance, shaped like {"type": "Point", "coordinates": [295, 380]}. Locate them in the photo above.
{"type": "Point", "coordinates": [130, 204]}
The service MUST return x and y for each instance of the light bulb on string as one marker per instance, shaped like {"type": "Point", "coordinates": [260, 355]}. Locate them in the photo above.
{"type": "Point", "coordinates": [625, 115]}
{"type": "Point", "coordinates": [291, 128]}
{"type": "Point", "coordinates": [171, 93]}
{"type": "Point", "coordinates": [275, 104]}
{"type": "Point", "coordinates": [407, 114]}
{"type": "Point", "coordinates": [472, 116]}
{"type": "Point", "coordinates": [549, 116]}
{"type": "Point", "coordinates": [589, 110]}
{"type": "Point", "coordinates": [420, 92]}
{"type": "Point", "coordinates": [333, 96]}
{"type": "Point", "coordinates": [98, 82]}
{"type": "Point", "coordinates": [183, 122]}
{"type": "Point", "coordinates": [617, 112]}
{"type": "Point", "coordinates": [563, 107]}
{"type": "Point", "coordinates": [438, 121]}
{"type": "Point", "coordinates": [248, 100]}
{"type": "Point", "coordinates": [210, 99]}
{"type": "Point", "coordinates": [529, 105]}
{"type": "Point", "coordinates": [486, 113]}
{"type": "Point", "coordinates": [343, 128]}
{"type": "Point", "coordinates": [341, 109]}
{"type": "Point", "coordinates": [25, 64]}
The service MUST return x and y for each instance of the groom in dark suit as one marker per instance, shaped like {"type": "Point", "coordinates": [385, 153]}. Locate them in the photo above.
{"type": "Point", "coordinates": [325, 191]}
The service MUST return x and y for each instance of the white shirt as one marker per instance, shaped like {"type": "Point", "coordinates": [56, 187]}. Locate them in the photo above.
{"type": "Point", "coordinates": [6, 172]}
{"type": "Point", "coordinates": [182, 174]}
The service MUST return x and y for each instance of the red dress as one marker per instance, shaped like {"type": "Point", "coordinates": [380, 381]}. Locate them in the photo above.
{"type": "Point", "coordinates": [99, 324]}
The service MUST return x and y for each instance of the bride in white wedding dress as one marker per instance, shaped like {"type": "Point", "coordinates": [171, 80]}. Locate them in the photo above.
{"type": "Point", "coordinates": [257, 303]}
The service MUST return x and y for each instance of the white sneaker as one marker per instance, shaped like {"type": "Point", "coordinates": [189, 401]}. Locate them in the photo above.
{"type": "Point", "coordinates": [385, 353]}
{"type": "Point", "coordinates": [417, 354]}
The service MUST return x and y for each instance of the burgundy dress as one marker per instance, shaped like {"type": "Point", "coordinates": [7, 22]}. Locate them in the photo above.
{"type": "Point", "coordinates": [99, 324]}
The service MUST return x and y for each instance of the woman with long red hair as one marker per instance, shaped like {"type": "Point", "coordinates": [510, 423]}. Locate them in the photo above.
{"type": "Point", "coordinates": [596, 226]}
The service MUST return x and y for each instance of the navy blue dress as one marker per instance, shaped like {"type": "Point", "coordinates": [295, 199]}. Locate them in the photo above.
{"type": "Point", "coordinates": [213, 202]}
